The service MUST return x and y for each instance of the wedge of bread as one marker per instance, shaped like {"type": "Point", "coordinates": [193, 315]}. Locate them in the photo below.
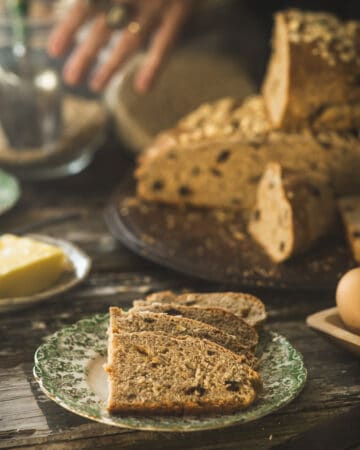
{"type": "Point", "coordinates": [216, 317]}
{"type": "Point", "coordinates": [312, 76]}
{"type": "Point", "coordinates": [292, 212]}
{"type": "Point", "coordinates": [121, 321]}
{"type": "Point", "coordinates": [152, 374]}
{"type": "Point", "coordinates": [246, 306]}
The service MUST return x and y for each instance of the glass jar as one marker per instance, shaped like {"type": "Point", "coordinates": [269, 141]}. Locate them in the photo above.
{"type": "Point", "coordinates": [44, 131]}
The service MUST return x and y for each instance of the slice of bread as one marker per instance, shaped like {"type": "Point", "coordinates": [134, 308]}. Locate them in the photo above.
{"type": "Point", "coordinates": [151, 373]}
{"type": "Point", "coordinates": [245, 306]}
{"type": "Point", "coordinates": [216, 317]}
{"type": "Point", "coordinates": [121, 321]}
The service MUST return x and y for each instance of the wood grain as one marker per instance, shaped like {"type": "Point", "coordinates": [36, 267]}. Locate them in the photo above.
{"type": "Point", "coordinates": [29, 420]}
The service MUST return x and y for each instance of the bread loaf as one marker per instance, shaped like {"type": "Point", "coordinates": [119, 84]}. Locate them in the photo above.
{"type": "Point", "coordinates": [313, 73]}
{"type": "Point", "coordinates": [191, 165]}
{"type": "Point", "coordinates": [152, 374]}
{"type": "Point", "coordinates": [349, 208]}
{"type": "Point", "coordinates": [292, 212]}
{"type": "Point", "coordinates": [245, 306]}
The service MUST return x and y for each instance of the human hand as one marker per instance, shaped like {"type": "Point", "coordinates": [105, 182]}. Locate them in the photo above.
{"type": "Point", "coordinates": [160, 20]}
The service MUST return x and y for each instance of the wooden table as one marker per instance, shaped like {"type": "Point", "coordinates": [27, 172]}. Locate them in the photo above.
{"type": "Point", "coordinates": [29, 420]}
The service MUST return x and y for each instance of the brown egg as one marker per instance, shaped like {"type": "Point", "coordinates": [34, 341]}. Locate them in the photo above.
{"type": "Point", "coordinates": [348, 299]}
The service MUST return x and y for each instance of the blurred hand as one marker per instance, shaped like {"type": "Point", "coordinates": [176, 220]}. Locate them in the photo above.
{"type": "Point", "coordinates": [160, 20]}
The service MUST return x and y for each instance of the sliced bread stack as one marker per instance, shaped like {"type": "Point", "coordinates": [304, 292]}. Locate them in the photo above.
{"type": "Point", "coordinates": [244, 306]}
{"type": "Point", "coordinates": [306, 119]}
{"type": "Point", "coordinates": [190, 360]}
{"type": "Point", "coordinates": [177, 326]}
{"type": "Point", "coordinates": [217, 317]}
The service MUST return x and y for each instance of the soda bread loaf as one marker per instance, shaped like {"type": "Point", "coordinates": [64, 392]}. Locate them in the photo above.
{"type": "Point", "coordinates": [216, 317]}
{"type": "Point", "coordinates": [224, 119]}
{"type": "Point", "coordinates": [151, 373]}
{"type": "Point", "coordinates": [340, 117]}
{"type": "Point", "coordinates": [176, 326]}
{"type": "Point", "coordinates": [292, 212]}
{"type": "Point", "coordinates": [246, 306]}
{"type": "Point", "coordinates": [313, 73]}
{"type": "Point", "coordinates": [216, 156]}
{"type": "Point", "coordinates": [349, 208]}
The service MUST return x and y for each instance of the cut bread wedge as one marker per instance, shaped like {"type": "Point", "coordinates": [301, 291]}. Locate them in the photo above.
{"type": "Point", "coordinates": [292, 212]}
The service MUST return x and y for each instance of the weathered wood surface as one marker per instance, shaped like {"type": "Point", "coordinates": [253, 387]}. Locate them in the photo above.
{"type": "Point", "coordinates": [29, 420]}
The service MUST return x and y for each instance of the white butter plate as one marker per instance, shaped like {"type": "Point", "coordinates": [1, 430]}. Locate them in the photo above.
{"type": "Point", "coordinates": [328, 321]}
{"type": "Point", "coordinates": [69, 370]}
{"type": "Point", "coordinates": [79, 268]}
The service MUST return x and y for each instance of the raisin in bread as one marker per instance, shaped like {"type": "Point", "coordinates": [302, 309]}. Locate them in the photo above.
{"type": "Point", "coordinates": [349, 208]}
{"type": "Point", "coordinates": [152, 374]}
{"type": "Point", "coordinates": [246, 306]}
{"type": "Point", "coordinates": [216, 317]}
{"type": "Point", "coordinates": [292, 212]}
{"type": "Point", "coordinates": [315, 66]}
{"type": "Point", "coordinates": [176, 326]}
{"type": "Point", "coordinates": [189, 166]}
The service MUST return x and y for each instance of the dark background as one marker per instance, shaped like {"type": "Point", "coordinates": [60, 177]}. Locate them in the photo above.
{"type": "Point", "coordinates": [246, 25]}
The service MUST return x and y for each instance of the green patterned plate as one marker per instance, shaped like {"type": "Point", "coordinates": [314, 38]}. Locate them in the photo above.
{"type": "Point", "coordinates": [9, 191]}
{"type": "Point", "coordinates": [68, 368]}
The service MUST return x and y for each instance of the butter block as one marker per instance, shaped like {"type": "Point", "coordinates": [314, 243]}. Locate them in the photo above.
{"type": "Point", "coordinates": [28, 266]}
